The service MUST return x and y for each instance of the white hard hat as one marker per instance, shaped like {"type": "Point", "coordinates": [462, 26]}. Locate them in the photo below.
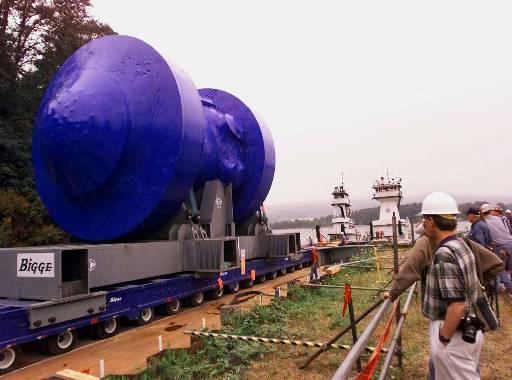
{"type": "Point", "coordinates": [486, 207]}
{"type": "Point", "coordinates": [439, 203]}
{"type": "Point", "coordinates": [508, 211]}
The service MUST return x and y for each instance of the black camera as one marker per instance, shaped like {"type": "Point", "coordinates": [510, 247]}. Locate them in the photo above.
{"type": "Point", "coordinates": [469, 330]}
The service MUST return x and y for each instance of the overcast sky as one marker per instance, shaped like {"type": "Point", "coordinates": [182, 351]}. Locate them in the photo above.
{"type": "Point", "coordinates": [421, 88]}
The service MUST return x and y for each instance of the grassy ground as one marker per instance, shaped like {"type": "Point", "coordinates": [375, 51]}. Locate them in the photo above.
{"type": "Point", "coordinates": [315, 315]}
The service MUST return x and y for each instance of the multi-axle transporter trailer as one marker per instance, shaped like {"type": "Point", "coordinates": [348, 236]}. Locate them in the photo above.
{"type": "Point", "coordinates": [163, 184]}
{"type": "Point", "coordinates": [136, 302]}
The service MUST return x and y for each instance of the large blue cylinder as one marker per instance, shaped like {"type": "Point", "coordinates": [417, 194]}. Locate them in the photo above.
{"type": "Point", "coordinates": [122, 136]}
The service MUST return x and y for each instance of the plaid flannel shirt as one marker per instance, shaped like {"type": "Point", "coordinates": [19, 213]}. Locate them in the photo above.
{"type": "Point", "coordinates": [451, 277]}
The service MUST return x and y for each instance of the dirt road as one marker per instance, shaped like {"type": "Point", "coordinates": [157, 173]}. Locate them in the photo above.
{"type": "Point", "coordinates": [127, 352]}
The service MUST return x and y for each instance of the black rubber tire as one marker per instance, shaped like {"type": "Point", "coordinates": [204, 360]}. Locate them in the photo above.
{"type": "Point", "coordinates": [61, 343]}
{"type": "Point", "coordinates": [146, 316]}
{"type": "Point", "coordinates": [234, 287]}
{"type": "Point", "coordinates": [291, 269]}
{"type": "Point", "coordinates": [173, 307]}
{"type": "Point", "coordinates": [246, 284]}
{"type": "Point", "coordinates": [9, 359]}
{"type": "Point", "coordinates": [261, 279]}
{"type": "Point", "coordinates": [216, 293]}
{"type": "Point", "coordinates": [106, 329]}
{"type": "Point", "coordinates": [272, 275]}
{"type": "Point", "coordinates": [298, 266]}
{"type": "Point", "coordinates": [197, 299]}
{"type": "Point", "coordinates": [281, 272]}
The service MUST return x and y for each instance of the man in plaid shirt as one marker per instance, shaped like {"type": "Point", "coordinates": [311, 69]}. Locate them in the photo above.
{"type": "Point", "coordinates": [450, 293]}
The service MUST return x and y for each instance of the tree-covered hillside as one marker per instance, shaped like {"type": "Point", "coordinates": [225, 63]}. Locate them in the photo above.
{"type": "Point", "coordinates": [36, 37]}
{"type": "Point", "coordinates": [366, 215]}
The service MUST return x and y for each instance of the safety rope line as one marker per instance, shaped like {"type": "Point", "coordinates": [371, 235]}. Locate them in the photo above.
{"type": "Point", "coordinates": [275, 341]}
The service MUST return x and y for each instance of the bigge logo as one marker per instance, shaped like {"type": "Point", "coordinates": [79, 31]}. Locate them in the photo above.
{"type": "Point", "coordinates": [35, 265]}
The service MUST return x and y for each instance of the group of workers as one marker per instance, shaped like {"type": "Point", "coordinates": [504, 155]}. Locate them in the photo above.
{"type": "Point", "coordinates": [492, 229]}
{"type": "Point", "coordinates": [454, 274]}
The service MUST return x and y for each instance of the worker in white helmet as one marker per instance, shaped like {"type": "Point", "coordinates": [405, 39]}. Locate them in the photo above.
{"type": "Point", "coordinates": [508, 214]}
{"type": "Point", "coordinates": [451, 291]}
{"type": "Point", "coordinates": [419, 259]}
{"type": "Point", "coordinates": [498, 211]}
{"type": "Point", "coordinates": [501, 240]}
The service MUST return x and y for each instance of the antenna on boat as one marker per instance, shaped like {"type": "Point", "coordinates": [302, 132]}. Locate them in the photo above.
{"type": "Point", "coordinates": [341, 179]}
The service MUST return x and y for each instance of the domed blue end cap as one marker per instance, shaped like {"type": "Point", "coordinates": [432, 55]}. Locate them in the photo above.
{"type": "Point", "coordinates": [118, 140]}
{"type": "Point", "coordinates": [255, 161]}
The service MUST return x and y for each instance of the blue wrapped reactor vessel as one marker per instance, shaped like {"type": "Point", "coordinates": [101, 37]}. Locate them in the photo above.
{"type": "Point", "coordinates": [122, 137]}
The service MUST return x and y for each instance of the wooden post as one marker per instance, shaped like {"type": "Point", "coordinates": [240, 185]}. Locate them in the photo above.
{"type": "Point", "coordinates": [354, 330]}
{"type": "Point", "coordinates": [496, 294]}
{"type": "Point", "coordinates": [413, 238]}
{"type": "Point", "coordinates": [398, 314]}
{"type": "Point", "coordinates": [102, 368]}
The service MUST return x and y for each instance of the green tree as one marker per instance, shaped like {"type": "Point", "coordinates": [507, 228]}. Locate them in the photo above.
{"type": "Point", "coordinates": [36, 37]}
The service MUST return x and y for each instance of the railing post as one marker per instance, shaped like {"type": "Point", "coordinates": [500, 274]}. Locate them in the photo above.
{"type": "Point", "coordinates": [496, 294]}
{"type": "Point", "coordinates": [345, 368]}
{"type": "Point", "coordinates": [395, 270]}
{"type": "Point", "coordinates": [354, 329]}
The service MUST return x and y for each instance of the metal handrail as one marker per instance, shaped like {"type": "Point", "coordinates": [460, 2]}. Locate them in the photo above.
{"type": "Point", "coordinates": [343, 332]}
{"type": "Point", "coordinates": [398, 332]}
{"type": "Point", "coordinates": [345, 368]}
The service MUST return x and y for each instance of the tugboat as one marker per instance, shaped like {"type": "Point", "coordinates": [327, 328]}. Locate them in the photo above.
{"type": "Point", "coordinates": [342, 223]}
{"type": "Point", "coordinates": [388, 192]}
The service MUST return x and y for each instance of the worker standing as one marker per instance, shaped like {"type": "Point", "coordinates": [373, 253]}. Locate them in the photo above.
{"type": "Point", "coordinates": [479, 231]}
{"type": "Point", "coordinates": [423, 263]}
{"type": "Point", "coordinates": [508, 214]}
{"type": "Point", "coordinates": [315, 261]}
{"type": "Point", "coordinates": [451, 292]}
{"type": "Point", "coordinates": [501, 242]}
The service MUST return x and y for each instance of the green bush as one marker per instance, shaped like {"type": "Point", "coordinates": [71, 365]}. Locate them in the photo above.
{"type": "Point", "coordinates": [25, 223]}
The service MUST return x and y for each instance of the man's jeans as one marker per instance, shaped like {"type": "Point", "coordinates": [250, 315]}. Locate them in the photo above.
{"type": "Point", "coordinates": [314, 274]}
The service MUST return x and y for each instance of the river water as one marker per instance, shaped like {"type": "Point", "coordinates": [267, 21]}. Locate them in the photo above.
{"type": "Point", "coordinates": [462, 226]}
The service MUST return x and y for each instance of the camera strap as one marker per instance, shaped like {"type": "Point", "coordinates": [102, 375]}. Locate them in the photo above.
{"type": "Point", "coordinates": [480, 306]}
{"type": "Point", "coordinates": [472, 307]}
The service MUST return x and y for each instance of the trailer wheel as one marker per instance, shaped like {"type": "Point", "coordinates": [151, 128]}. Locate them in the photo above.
{"type": "Point", "coordinates": [299, 266]}
{"type": "Point", "coordinates": [8, 359]}
{"type": "Point", "coordinates": [282, 271]}
{"type": "Point", "coordinates": [234, 287]}
{"type": "Point", "coordinates": [247, 283]}
{"type": "Point", "coordinates": [272, 275]}
{"type": "Point", "coordinates": [61, 343]}
{"type": "Point", "coordinates": [260, 279]}
{"type": "Point", "coordinates": [146, 316]}
{"type": "Point", "coordinates": [197, 299]}
{"type": "Point", "coordinates": [216, 293]}
{"type": "Point", "coordinates": [106, 329]}
{"type": "Point", "coordinates": [291, 269]}
{"type": "Point", "coordinates": [173, 307]}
